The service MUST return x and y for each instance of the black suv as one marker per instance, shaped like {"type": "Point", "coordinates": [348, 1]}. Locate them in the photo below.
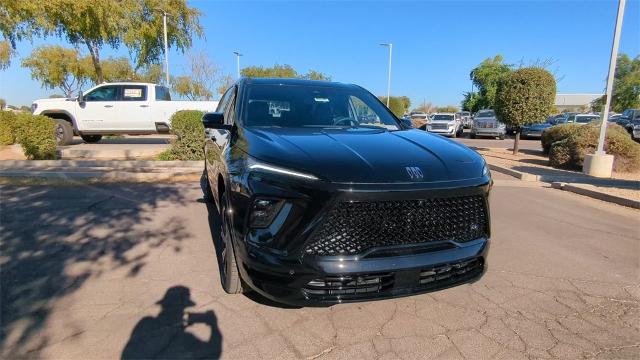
{"type": "Point", "coordinates": [325, 196]}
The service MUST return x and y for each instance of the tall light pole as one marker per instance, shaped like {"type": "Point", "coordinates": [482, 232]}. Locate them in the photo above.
{"type": "Point", "coordinates": [600, 164]}
{"type": "Point", "coordinates": [238, 62]}
{"type": "Point", "coordinates": [166, 44]}
{"type": "Point", "coordinates": [390, 46]}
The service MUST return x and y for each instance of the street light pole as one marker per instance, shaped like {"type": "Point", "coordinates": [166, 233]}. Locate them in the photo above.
{"type": "Point", "coordinates": [611, 76]}
{"type": "Point", "coordinates": [600, 164]}
{"type": "Point", "coordinates": [390, 46]}
{"type": "Point", "coordinates": [237, 63]}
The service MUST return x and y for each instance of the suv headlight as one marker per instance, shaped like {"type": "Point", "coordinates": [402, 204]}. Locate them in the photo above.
{"type": "Point", "coordinates": [264, 211]}
{"type": "Point", "coordinates": [485, 170]}
{"type": "Point", "coordinates": [256, 165]}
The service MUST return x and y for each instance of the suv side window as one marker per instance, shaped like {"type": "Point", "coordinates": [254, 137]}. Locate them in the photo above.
{"type": "Point", "coordinates": [104, 93]}
{"type": "Point", "coordinates": [162, 93]}
{"type": "Point", "coordinates": [133, 92]}
{"type": "Point", "coordinates": [224, 100]}
{"type": "Point", "coordinates": [229, 113]}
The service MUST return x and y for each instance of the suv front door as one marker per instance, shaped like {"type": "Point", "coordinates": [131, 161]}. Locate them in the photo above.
{"type": "Point", "coordinates": [97, 109]}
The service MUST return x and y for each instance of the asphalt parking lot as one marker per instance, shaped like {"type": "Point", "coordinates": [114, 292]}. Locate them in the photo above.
{"type": "Point", "coordinates": [129, 270]}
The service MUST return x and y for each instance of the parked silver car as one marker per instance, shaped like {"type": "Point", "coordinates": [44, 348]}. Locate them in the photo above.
{"type": "Point", "coordinates": [486, 124]}
{"type": "Point", "coordinates": [467, 120]}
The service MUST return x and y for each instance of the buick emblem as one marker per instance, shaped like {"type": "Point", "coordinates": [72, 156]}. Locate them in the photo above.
{"type": "Point", "coordinates": [414, 172]}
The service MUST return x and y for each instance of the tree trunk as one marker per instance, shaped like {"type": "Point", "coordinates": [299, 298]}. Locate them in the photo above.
{"type": "Point", "coordinates": [516, 143]}
{"type": "Point", "coordinates": [95, 57]}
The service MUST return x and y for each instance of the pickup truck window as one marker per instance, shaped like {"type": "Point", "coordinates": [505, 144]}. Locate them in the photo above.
{"type": "Point", "coordinates": [314, 106]}
{"type": "Point", "coordinates": [134, 93]}
{"type": "Point", "coordinates": [162, 94]}
{"type": "Point", "coordinates": [104, 93]}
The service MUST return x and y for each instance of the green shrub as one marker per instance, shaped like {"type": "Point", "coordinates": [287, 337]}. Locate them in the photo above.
{"type": "Point", "coordinates": [36, 134]}
{"type": "Point", "coordinates": [189, 141]}
{"type": "Point", "coordinates": [557, 133]}
{"type": "Point", "coordinates": [166, 155]}
{"type": "Point", "coordinates": [569, 152]}
{"type": "Point", "coordinates": [7, 128]}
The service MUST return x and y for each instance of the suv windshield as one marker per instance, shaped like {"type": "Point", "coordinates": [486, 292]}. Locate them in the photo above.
{"type": "Point", "coordinates": [442, 117]}
{"type": "Point", "coordinates": [487, 114]}
{"type": "Point", "coordinates": [315, 106]}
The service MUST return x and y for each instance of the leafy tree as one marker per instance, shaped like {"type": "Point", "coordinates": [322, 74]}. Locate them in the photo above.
{"type": "Point", "coordinates": [396, 105]}
{"type": "Point", "coordinates": [486, 77]}
{"type": "Point", "coordinates": [316, 75]}
{"type": "Point", "coordinates": [626, 86]}
{"type": "Point", "coordinates": [186, 86]}
{"type": "Point", "coordinates": [57, 67]}
{"type": "Point", "coordinates": [95, 23]}
{"type": "Point", "coordinates": [448, 109]}
{"type": "Point", "coordinates": [6, 53]}
{"type": "Point", "coordinates": [525, 96]}
{"type": "Point", "coordinates": [281, 71]}
{"type": "Point", "coordinates": [406, 103]}
{"type": "Point", "coordinates": [225, 83]}
{"type": "Point", "coordinates": [426, 107]}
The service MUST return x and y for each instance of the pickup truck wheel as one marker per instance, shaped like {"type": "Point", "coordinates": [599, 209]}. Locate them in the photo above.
{"type": "Point", "coordinates": [501, 137]}
{"type": "Point", "coordinates": [472, 135]}
{"type": "Point", "coordinates": [229, 275]}
{"type": "Point", "coordinates": [64, 132]}
{"type": "Point", "coordinates": [91, 138]}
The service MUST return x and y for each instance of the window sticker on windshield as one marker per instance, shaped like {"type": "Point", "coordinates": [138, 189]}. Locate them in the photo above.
{"type": "Point", "coordinates": [133, 93]}
{"type": "Point", "coordinates": [322, 100]}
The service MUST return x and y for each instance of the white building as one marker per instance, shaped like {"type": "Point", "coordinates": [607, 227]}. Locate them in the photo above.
{"type": "Point", "coordinates": [575, 101]}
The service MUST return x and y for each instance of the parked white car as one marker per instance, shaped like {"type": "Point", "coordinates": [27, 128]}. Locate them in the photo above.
{"type": "Point", "coordinates": [448, 124]}
{"type": "Point", "coordinates": [115, 108]}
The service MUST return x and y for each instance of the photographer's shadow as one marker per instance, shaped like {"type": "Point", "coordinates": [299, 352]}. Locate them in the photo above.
{"type": "Point", "coordinates": [165, 335]}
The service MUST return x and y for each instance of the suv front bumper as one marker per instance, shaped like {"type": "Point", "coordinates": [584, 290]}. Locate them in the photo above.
{"type": "Point", "coordinates": [289, 275]}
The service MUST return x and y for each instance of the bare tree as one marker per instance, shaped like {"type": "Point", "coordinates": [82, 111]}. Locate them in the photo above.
{"type": "Point", "coordinates": [202, 76]}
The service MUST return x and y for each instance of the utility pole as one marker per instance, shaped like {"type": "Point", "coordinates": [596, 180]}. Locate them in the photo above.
{"type": "Point", "coordinates": [166, 44]}
{"type": "Point", "coordinates": [390, 46]}
{"type": "Point", "coordinates": [600, 164]}
{"type": "Point", "coordinates": [237, 63]}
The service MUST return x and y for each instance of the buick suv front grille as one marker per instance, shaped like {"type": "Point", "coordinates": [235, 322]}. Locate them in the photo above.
{"type": "Point", "coordinates": [351, 228]}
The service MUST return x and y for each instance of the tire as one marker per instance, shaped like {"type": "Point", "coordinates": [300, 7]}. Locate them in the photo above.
{"type": "Point", "coordinates": [501, 137]}
{"type": "Point", "coordinates": [229, 275]}
{"type": "Point", "coordinates": [472, 135]}
{"type": "Point", "coordinates": [64, 132]}
{"type": "Point", "coordinates": [207, 194]}
{"type": "Point", "coordinates": [91, 138]}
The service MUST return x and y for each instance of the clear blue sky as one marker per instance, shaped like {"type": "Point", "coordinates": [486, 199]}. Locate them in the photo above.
{"type": "Point", "coordinates": [435, 44]}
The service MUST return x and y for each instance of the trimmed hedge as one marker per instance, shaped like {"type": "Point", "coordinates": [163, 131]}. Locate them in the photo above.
{"type": "Point", "coordinates": [557, 133]}
{"type": "Point", "coordinates": [189, 141]}
{"type": "Point", "coordinates": [8, 123]}
{"type": "Point", "coordinates": [569, 152]}
{"type": "Point", "coordinates": [36, 134]}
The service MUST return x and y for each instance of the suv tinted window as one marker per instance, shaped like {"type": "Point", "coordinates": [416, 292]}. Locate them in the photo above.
{"type": "Point", "coordinates": [134, 92]}
{"type": "Point", "coordinates": [104, 93]}
{"type": "Point", "coordinates": [162, 94]}
{"type": "Point", "coordinates": [314, 106]}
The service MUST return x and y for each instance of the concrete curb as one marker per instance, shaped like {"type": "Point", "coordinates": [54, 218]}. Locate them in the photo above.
{"type": "Point", "coordinates": [114, 164]}
{"type": "Point", "coordinates": [100, 175]}
{"type": "Point", "coordinates": [516, 174]}
{"type": "Point", "coordinates": [596, 194]}
{"type": "Point", "coordinates": [147, 152]}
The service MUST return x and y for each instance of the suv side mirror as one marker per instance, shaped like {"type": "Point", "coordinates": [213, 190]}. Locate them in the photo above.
{"type": "Point", "coordinates": [215, 120]}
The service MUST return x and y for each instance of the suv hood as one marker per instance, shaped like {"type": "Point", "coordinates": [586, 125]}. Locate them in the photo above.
{"type": "Point", "coordinates": [363, 155]}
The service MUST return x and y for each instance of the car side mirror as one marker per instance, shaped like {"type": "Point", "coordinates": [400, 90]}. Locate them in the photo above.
{"type": "Point", "coordinates": [215, 120]}
{"type": "Point", "coordinates": [80, 98]}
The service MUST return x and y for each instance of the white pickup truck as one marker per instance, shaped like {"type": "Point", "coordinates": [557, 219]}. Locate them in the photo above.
{"type": "Point", "coordinates": [115, 108]}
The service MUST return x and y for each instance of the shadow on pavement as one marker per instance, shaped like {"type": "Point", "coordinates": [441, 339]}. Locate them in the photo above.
{"type": "Point", "coordinates": [165, 336]}
{"type": "Point", "coordinates": [46, 230]}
